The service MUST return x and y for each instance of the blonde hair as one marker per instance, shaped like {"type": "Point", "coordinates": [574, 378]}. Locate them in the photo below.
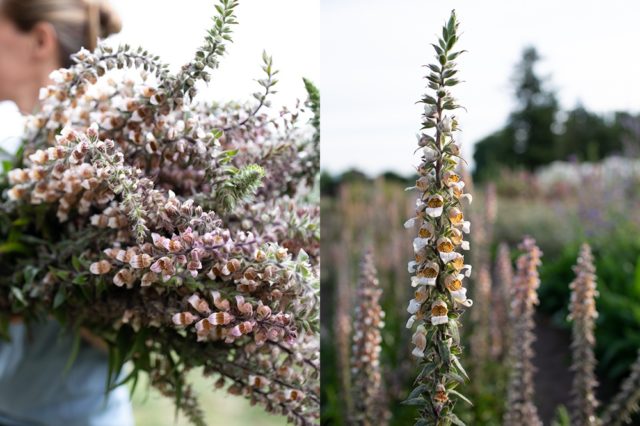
{"type": "Point", "coordinates": [78, 23]}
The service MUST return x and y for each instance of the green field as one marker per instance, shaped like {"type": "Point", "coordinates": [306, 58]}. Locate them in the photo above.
{"type": "Point", "coordinates": [152, 409]}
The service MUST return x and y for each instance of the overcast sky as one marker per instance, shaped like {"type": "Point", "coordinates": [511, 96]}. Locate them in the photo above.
{"type": "Point", "coordinates": [372, 52]}
{"type": "Point", "coordinates": [287, 29]}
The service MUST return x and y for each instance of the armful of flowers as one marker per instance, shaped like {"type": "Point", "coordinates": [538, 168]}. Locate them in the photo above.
{"type": "Point", "coordinates": [162, 226]}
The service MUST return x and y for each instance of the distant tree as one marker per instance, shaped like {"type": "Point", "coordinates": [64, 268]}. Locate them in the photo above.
{"type": "Point", "coordinates": [353, 175]}
{"type": "Point", "coordinates": [328, 184]}
{"type": "Point", "coordinates": [587, 136]}
{"type": "Point", "coordinates": [390, 176]}
{"type": "Point", "coordinates": [528, 140]}
{"type": "Point", "coordinates": [533, 136]}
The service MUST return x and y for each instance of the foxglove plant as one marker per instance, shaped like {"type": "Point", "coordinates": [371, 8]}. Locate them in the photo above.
{"type": "Point", "coordinates": [440, 297]}
{"type": "Point", "coordinates": [160, 224]}
{"type": "Point", "coordinates": [343, 322]}
{"type": "Point", "coordinates": [583, 313]}
{"type": "Point", "coordinates": [501, 322]}
{"type": "Point", "coordinates": [627, 401]}
{"type": "Point", "coordinates": [521, 409]}
{"type": "Point", "coordinates": [366, 377]}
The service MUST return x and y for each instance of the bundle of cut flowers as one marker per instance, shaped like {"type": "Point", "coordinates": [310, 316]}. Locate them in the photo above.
{"type": "Point", "coordinates": [184, 234]}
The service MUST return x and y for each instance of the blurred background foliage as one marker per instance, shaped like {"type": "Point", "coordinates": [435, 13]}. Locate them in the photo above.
{"type": "Point", "coordinates": [563, 177]}
{"type": "Point", "coordinates": [152, 409]}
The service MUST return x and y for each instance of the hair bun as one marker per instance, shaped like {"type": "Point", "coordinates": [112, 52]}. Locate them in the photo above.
{"type": "Point", "coordinates": [110, 22]}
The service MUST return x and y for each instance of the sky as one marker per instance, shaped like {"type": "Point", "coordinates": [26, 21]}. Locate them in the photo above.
{"type": "Point", "coordinates": [372, 53]}
{"type": "Point", "coordinates": [287, 29]}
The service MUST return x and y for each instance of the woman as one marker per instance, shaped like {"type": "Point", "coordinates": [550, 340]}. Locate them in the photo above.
{"type": "Point", "coordinates": [37, 37]}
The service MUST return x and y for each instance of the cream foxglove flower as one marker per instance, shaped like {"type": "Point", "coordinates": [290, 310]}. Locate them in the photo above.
{"type": "Point", "coordinates": [427, 276]}
{"type": "Point", "coordinates": [426, 231]}
{"type": "Point", "coordinates": [446, 125]}
{"type": "Point", "coordinates": [435, 204]}
{"type": "Point", "coordinates": [419, 339]}
{"type": "Point", "coordinates": [414, 306]}
{"type": "Point", "coordinates": [410, 223]}
{"type": "Point", "coordinates": [411, 321]}
{"type": "Point", "coordinates": [419, 244]}
{"type": "Point", "coordinates": [453, 283]}
{"type": "Point", "coordinates": [445, 249]}
{"type": "Point", "coordinates": [439, 313]}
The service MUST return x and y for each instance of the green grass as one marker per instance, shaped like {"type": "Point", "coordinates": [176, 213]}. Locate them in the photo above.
{"type": "Point", "coordinates": [221, 409]}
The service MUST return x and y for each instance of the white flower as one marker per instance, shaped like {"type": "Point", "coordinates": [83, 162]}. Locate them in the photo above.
{"type": "Point", "coordinates": [417, 353]}
{"type": "Point", "coordinates": [439, 313]}
{"type": "Point", "coordinates": [410, 223]}
{"type": "Point", "coordinates": [57, 76]}
{"type": "Point", "coordinates": [43, 93]}
{"type": "Point", "coordinates": [434, 204]}
{"type": "Point", "coordinates": [426, 230]}
{"type": "Point", "coordinates": [434, 212]}
{"type": "Point", "coordinates": [467, 270]}
{"type": "Point", "coordinates": [411, 321]}
{"type": "Point", "coordinates": [429, 110]}
{"type": "Point", "coordinates": [426, 276]}
{"type": "Point", "coordinates": [465, 245]}
{"type": "Point", "coordinates": [448, 257]}
{"type": "Point", "coordinates": [416, 281]}
{"type": "Point", "coordinates": [419, 244]}
{"type": "Point", "coordinates": [430, 154]}
{"type": "Point", "coordinates": [411, 266]}
{"type": "Point", "coordinates": [445, 125]}
{"type": "Point", "coordinates": [458, 292]}
{"type": "Point", "coordinates": [419, 339]}
{"type": "Point", "coordinates": [414, 306]}
{"type": "Point", "coordinates": [438, 320]}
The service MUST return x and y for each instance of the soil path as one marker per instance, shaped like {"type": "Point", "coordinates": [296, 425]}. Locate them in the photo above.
{"type": "Point", "coordinates": [552, 360]}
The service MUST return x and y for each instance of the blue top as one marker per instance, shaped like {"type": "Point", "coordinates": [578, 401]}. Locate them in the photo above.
{"type": "Point", "coordinates": [35, 390]}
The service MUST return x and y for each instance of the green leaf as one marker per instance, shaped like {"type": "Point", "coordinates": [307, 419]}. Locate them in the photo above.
{"type": "Point", "coordinates": [18, 295]}
{"type": "Point", "coordinates": [80, 279]}
{"type": "Point", "coordinates": [429, 100]}
{"type": "Point", "coordinates": [12, 247]}
{"type": "Point", "coordinates": [30, 273]}
{"type": "Point", "coordinates": [75, 348]}
{"type": "Point", "coordinates": [419, 390]}
{"type": "Point", "coordinates": [455, 377]}
{"type": "Point", "coordinates": [459, 395]}
{"type": "Point", "coordinates": [455, 420]}
{"type": "Point", "coordinates": [77, 265]}
{"type": "Point", "coordinates": [458, 365]}
{"type": "Point", "coordinates": [444, 352]}
{"type": "Point", "coordinates": [414, 402]}
{"type": "Point", "coordinates": [427, 371]}
{"type": "Point", "coordinates": [453, 328]}
{"type": "Point", "coordinates": [59, 298]}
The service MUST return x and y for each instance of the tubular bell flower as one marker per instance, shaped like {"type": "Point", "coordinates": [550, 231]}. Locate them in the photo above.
{"type": "Point", "coordinates": [438, 268]}
{"type": "Point", "coordinates": [427, 275]}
